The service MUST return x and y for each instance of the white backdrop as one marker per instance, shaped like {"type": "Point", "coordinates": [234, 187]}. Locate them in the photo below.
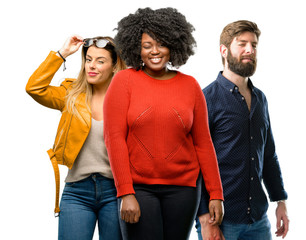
{"type": "Point", "coordinates": [30, 29]}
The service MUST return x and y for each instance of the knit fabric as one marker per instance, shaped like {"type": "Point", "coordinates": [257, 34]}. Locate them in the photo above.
{"type": "Point", "coordinates": [156, 132]}
{"type": "Point", "coordinates": [93, 156]}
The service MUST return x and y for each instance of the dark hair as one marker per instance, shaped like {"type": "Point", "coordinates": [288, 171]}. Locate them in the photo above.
{"type": "Point", "coordinates": [165, 25]}
{"type": "Point", "coordinates": [235, 29]}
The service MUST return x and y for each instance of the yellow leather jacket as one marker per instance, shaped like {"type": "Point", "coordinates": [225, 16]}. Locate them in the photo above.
{"type": "Point", "coordinates": [72, 131]}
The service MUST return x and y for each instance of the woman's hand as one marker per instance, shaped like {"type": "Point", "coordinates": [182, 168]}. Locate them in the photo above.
{"type": "Point", "coordinates": [216, 211]}
{"type": "Point", "coordinates": [71, 45]}
{"type": "Point", "coordinates": [129, 209]}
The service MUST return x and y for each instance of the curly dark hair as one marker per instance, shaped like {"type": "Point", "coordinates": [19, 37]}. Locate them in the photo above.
{"type": "Point", "coordinates": [165, 25]}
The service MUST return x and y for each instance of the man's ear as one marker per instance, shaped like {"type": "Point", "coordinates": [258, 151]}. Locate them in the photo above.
{"type": "Point", "coordinates": [223, 51]}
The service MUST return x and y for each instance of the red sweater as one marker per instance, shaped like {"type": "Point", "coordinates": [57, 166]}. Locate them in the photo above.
{"type": "Point", "coordinates": [156, 132]}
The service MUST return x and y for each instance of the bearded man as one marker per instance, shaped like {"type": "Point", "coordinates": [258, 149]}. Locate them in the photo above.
{"type": "Point", "coordinates": [241, 132]}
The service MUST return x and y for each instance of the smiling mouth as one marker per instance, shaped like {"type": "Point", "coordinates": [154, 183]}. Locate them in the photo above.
{"type": "Point", "coordinates": [155, 60]}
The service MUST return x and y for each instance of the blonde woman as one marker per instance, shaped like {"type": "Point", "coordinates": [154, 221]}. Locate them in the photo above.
{"type": "Point", "coordinates": [89, 195]}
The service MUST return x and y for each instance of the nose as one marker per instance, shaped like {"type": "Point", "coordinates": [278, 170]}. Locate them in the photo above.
{"type": "Point", "coordinates": [249, 48]}
{"type": "Point", "coordinates": [155, 50]}
{"type": "Point", "coordinates": [92, 65]}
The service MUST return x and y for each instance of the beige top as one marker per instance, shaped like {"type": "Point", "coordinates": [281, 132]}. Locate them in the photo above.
{"type": "Point", "coordinates": [93, 156]}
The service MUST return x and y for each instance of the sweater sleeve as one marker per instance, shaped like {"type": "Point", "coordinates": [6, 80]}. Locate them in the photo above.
{"type": "Point", "coordinates": [116, 104]}
{"type": "Point", "coordinates": [204, 147]}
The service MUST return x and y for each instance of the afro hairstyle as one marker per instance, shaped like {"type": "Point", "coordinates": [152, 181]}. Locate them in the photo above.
{"type": "Point", "coordinates": [165, 25]}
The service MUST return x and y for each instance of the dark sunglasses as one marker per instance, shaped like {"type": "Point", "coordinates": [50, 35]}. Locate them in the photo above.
{"type": "Point", "coordinates": [100, 43]}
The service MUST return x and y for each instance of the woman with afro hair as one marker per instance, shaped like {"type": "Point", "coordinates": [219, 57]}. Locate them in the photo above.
{"type": "Point", "coordinates": [156, 129]}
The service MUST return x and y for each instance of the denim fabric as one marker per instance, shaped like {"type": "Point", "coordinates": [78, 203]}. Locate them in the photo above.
{"type": "Point", "coordinates": [260, 230]}
{"type": "Point", "coordinates": [84, 203]}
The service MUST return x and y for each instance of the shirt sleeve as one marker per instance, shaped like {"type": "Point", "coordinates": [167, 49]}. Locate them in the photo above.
{"type": "Point", "coordinates": [272, 175]}
{"type": "Point", "coordinates": [204, 200]}
{"type": "Point", "coordinates": [204, 147]}
{"type": "Point", "coordinates": [116, 104]}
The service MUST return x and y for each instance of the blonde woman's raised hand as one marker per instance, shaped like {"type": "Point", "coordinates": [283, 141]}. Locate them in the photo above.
{"type": "Point", "coordinates": [71, 45]}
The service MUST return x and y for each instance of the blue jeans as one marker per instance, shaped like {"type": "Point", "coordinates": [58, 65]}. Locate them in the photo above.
{"type": "Point", "coordinates": [260, 230]}
{"type": "Point", "coordinates": [84, 203]}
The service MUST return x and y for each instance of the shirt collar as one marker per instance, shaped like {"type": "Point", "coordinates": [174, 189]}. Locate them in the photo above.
{"type": "Point", "coordinates": [227, 84]}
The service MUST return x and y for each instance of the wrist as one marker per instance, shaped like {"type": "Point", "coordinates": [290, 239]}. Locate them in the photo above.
{"type": "Point", "coordinates": [127, 196]}
{"type": "Point", "coordinates": [281, 201]}
{"type": "Point", "coordinates": [64, 59]}
{"type": "Point", "coordinates": [63, 54]}
{"type": "Point", "coordinates": [204, 219]}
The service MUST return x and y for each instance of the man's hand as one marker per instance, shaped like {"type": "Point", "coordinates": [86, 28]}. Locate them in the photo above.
{"type": "Point", "coordinates": [129, 209]}
{"type": "Point", "coordinates": [282, 220]}
{"type": "Point", "coordinates": [209, 231]}
{"type": "Point", "coordinates": [216, 211]}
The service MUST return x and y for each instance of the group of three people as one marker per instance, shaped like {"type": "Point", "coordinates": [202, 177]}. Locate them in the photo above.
{"type": "Point", "coordinates": [145, 148]}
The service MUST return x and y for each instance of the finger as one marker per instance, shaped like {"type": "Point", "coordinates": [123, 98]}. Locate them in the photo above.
{"type": "Point", "coordinates": [218, 216]}
{"type": "Point", "coordinates": [278, 222]}
{"type": "Point", "coordinates": [136, 218]}
{"type": "Point", "coordinates": [77, 38]}
{"type": "Point", "coordinates": [212, 214]}
{"type": "Point", "coordinates": [279, 232]}
{"type": "Point", "coordinates": [122, 215]}
{"type": "Point", "coordinates": [130, 218]}
{"type": "Point", "coordinates": [286, 226]}
{"type": "Point", "coordinates": [79, 44]}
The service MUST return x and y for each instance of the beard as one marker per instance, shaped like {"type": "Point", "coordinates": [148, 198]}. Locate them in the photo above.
{"type": "Point", "coordinates": [242, 69]}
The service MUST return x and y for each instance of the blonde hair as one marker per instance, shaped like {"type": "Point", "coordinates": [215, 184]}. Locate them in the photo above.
{"type": "Point", "coordinates": [81, 85]}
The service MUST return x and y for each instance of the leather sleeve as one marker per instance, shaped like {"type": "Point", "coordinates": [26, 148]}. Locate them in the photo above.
{"type": "Point", "coordinates": [38, 86]}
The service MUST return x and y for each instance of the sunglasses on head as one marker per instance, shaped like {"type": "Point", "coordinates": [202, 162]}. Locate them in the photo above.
{"type": "Point", "coordinates": [100, 43]}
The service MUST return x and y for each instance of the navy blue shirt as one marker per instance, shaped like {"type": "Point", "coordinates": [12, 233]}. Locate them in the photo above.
{"type": "Point", "coordinates": [245, 150]}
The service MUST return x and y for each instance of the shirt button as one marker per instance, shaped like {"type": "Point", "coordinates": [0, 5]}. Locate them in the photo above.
{"type": "Point", "coordinates": [252, 178]}
{"type": "Point", "coordinates": [231, 90]}
{"type": "Point", "coordinates": [251, 137]}
{"type": "Point", "coordinates": [250, 198]}
{"type": "Point", "coordinates": [253, 159]}
{"type": "Point", "coordinates": [242, 98]}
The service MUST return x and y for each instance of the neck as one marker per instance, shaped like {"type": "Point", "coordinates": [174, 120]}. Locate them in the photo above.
{"type": "Point", "coordinates": [163, 74]}
{"type": "Point", "coordinates": [241, 82]}
{"type": "Point", "coordinates": [100, 90]}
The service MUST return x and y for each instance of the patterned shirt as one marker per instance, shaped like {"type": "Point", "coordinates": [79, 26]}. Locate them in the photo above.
{"type": "Point", "coordinates": [245, 150]}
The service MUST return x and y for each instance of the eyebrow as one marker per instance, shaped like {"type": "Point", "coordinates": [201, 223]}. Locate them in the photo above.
{"type": "Point", "coordinates": [97, 57]}
{"type": "Point", "coordinates": [244, 41]}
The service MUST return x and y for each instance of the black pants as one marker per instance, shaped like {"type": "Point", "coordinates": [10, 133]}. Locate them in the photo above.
{"type": "Point", "coordinates": [167, 212]}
